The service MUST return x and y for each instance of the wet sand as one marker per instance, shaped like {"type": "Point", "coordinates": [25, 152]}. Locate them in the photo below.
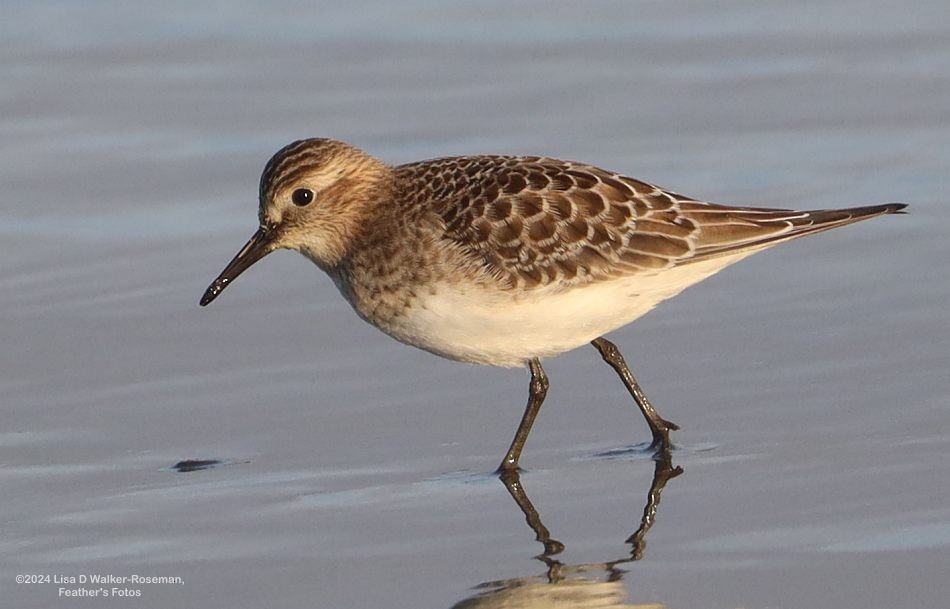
{"type": "Point", "coordinates": [810, 381]}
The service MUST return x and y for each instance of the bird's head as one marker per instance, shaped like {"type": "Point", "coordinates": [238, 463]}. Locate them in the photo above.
{"type": "Point", "coordinates": [315, 197]}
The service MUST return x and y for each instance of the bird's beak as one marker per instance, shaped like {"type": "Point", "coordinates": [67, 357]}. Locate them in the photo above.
{"type": "Point", "coordinates": [261, 244]}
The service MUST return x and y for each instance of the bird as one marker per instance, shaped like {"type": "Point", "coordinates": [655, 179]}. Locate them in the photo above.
{"type": "Point", "coordinates": [505, 260]}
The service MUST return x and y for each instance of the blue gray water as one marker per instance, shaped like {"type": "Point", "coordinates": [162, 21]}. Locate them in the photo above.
{"type": "Point", "coordinates": [810, 381]}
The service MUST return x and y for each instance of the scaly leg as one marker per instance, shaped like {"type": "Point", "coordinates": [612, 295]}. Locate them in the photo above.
{"type": "Point", "coordinates": [537, 389]}
{"type": "Point", "coordinates": [659, 426]}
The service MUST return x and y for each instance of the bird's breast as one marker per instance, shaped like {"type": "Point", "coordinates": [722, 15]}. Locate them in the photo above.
{"type": "Point", "coordinates": [460, 317]}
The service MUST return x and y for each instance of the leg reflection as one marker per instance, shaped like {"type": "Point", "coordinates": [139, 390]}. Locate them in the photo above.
{"type": "Point", "coordinates": [663, 472]}
{"type": "Point", "coordinates": [512, 482]}
{"type": "Point", "coordinates": [579, 586]}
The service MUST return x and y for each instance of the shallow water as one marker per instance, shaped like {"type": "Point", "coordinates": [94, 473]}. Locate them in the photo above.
{"type": "Point", "coordinates": [810, 381]}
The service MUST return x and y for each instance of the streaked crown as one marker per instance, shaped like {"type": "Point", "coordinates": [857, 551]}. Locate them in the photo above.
{"type": "Point", "coordinates": [314, 192]}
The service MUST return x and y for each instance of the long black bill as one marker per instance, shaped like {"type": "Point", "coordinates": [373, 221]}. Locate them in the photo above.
{"type": "Point", "coordinates": [259, 246]}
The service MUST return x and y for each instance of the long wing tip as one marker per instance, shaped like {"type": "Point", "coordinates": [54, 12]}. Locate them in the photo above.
{"type": "Point", "coordinates": [860, 213]}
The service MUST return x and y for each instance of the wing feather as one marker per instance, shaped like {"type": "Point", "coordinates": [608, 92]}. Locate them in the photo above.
{"type": "Point", "coordinates": [534, 221]}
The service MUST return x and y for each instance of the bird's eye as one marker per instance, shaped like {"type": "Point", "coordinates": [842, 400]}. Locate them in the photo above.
{"type": "Point", "coordinates": [302, 196]}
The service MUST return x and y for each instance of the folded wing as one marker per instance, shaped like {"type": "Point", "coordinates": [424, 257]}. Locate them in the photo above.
{"type": "Point", "coordinates": [534, 221]}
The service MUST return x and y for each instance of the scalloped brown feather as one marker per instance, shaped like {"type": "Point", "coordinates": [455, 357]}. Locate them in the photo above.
{"type": "Point", "coordinates": [536, 221]}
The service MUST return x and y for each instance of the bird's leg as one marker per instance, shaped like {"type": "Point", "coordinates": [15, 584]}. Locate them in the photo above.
{"type": "Point", "coordinates": [537, 389]}
{"type": "Point", "coordinates": [658, 425]}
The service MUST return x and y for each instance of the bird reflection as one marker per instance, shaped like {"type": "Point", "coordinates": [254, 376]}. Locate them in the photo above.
{"type": "Point", "coordinates": [581, 586]}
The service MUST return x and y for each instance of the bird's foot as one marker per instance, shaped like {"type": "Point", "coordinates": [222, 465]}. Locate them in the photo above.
{"type": "Point", "coordinates": [661, 444]}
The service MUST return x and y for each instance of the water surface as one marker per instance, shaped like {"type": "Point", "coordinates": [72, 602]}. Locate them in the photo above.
{"type": "Point", "coordinates": [810, 381]}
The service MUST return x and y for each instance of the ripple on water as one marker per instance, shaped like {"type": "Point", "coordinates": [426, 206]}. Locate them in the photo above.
{"type": "Point", "coordinates": [642, 450]}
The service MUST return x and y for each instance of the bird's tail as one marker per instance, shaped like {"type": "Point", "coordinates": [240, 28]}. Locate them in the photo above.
{"type": "Point", "coordinates": [729, 230]}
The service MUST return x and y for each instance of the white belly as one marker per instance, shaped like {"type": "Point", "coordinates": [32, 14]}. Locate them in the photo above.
{"type": "Point", "coordinates": [507, 328]}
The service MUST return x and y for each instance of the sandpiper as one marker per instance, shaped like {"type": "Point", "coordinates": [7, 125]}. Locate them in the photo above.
{"type": "Point", "coordinates": [505, 260]}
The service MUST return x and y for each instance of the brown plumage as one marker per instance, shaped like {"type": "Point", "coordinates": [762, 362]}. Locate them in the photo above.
{"type": "Point", "coordinates": [537, 221]}
{"type": "Point", "coordinates": [504, 260]}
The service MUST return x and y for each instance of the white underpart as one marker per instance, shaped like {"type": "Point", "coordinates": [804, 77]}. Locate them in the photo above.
{"type": "Point", "coordinates": [504, 328]}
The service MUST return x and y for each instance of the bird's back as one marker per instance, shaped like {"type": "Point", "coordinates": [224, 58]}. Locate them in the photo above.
{"type": "Point", "coordinates": [536, 222]}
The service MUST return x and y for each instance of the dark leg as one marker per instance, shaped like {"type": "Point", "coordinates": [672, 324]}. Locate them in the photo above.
{"type": "Point", "coordinates": [536, 392]}
{"type": "Point", "coordinates": [658, 425]}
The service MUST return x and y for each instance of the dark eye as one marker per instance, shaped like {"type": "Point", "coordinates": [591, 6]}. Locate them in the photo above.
{"type": "Point", "coordinates": [302, 196]}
